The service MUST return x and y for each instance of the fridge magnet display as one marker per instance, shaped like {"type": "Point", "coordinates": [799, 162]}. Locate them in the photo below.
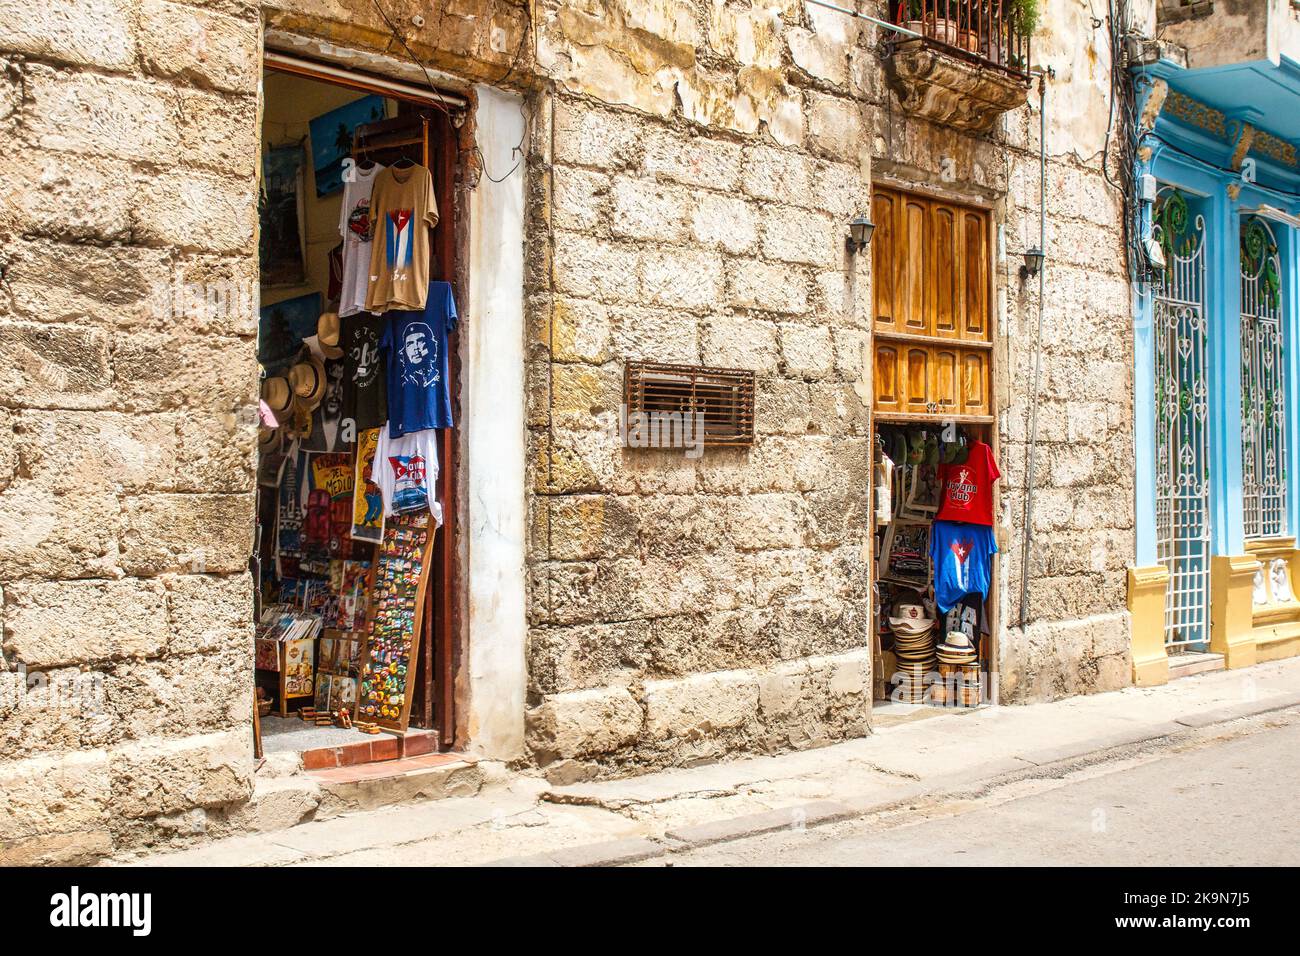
{"type": "Point", "coordinates": [397, 599]}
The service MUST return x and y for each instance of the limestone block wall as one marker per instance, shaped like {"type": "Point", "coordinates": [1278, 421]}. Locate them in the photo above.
{"type": "Point", "coordinates": [692, 184]}
{"type": "Point", "coordinates": [126, 419]}
{"type": "Point", "coordinates": [692, 166]}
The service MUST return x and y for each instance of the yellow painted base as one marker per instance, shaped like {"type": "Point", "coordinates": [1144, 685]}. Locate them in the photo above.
{"type": "Point", "coordinates": [1232, 627]}
{"type": "Point", "coordinates": [1276, 621]}
{"type": "Point", "coordinates": [1146, 605]}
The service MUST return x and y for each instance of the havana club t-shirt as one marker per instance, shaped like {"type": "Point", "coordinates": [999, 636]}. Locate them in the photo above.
{"type": "Point", "coordinates": [968, 487]}
{"type": "Point", "coordinates": [404, 209]}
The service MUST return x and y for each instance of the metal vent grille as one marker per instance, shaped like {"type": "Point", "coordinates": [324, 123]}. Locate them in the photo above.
{"type": "Point", "coordinates": [674, 395]}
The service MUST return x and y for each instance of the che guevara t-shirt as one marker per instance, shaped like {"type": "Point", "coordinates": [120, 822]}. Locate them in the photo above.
{"type": "Point", "coordinates": [415, 351]}
{"type": "Point", "coordinates": [968, 487]}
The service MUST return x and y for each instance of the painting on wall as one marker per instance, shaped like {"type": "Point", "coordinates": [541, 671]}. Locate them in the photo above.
{"type": "Point", "coordinates": [283, 327]}
{"type": "Point", "coordinates": [280, 247]}
{"type": "Point", "coordinates": [331, 139]}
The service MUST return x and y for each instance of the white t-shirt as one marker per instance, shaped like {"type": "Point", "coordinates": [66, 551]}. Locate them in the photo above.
{"type": "Point", "coordinates": [358, 230]}
{"type": "Point", "coordinates": [406, 470]}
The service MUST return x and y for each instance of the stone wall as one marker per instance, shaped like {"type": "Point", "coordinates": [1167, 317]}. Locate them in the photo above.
{"type": "Point", "coordinates": [125, 494]}
{"type": "Point", "coordinates": [692, 167]}
{"type": "Point", "coordinates": [692, 180]}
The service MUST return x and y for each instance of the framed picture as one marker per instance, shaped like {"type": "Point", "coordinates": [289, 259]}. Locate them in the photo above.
{"type": "Point", "coordinates": [282, 328]}
{"type": "Point", "coordinates": [906, 557]}
{"type": "Point", "coordinates": [281, 250]}
{"type": "Point", "coordinates": [922, 492]}
{"type": "Point", "coordinates": [331, 139]}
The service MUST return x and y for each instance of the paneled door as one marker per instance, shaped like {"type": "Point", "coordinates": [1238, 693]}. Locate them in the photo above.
{"type": "Point", "coordinates": [931, 291]}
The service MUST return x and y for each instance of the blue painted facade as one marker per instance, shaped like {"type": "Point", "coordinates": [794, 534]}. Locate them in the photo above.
{"type": "Point", "coordinates": [1192, 149]}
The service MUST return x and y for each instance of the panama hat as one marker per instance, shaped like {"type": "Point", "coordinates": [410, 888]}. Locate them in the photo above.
{"type": "Point", "coordinates": [328, 331]}
{"type": "Point", "coordinates": [269, 440]}
{"type": "Point", "coordinates": [277, 394]}
{"type": "Point", "coordinates": [307, 379]}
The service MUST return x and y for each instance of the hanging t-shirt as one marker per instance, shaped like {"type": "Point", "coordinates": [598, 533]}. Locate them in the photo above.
{"type": "Point", "coordinates": [357, 228]}
{"type": "Point", "coordinates": [960, 554]}
{"type": "Point", "coordinates": [415, 352]}
{"type": "Point", "coordinates": [968, 488]}
{"type": "Point", "coordinates": [406, 470]}
{"type": "Point", "coordinates": [404, 209]}
{"type": "Point", "coordinates": [367, 393]}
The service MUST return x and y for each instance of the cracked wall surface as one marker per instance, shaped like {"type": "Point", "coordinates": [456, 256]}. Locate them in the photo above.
{"type": "Point", "coordinates": [692, 167]}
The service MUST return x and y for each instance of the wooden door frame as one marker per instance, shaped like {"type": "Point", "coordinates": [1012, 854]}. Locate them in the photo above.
{"type": "Point", "coordinates": [441, 653]}
{"type": "Point", "coordinates": [934, 194]}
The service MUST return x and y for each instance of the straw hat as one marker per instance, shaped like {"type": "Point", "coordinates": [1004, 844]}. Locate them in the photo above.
{"type": "Point", "coordinates": [328, 331]}
{"type": "Point", "coordinates": [277, 394]}
{"type": "Point", "coordinates": [269, 440]}
{"type": "Point", "coordinates": [307, 379]}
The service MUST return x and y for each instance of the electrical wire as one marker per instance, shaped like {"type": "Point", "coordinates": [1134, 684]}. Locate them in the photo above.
{"type": "Point", "coordinates": [442, 104]}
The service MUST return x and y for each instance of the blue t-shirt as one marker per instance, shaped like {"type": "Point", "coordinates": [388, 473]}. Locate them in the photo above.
{"type": "Point", "coordinates": [415, 353]}
{"type": "Point", "coordinates": [961, 554]}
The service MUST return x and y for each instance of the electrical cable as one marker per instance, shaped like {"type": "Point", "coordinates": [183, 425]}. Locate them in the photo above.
{"type": "Point", "coordinates": [428, 78]}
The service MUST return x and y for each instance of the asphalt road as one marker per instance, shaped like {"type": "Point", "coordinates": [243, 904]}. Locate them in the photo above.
{"type": "Point", "coordinates": [1228, 801]}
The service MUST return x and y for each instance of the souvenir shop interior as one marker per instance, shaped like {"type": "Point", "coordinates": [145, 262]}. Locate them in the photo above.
{"type": "Point", "coordinates": [934, 551]}
{"type": "Point", "coordinates": [358, 360]}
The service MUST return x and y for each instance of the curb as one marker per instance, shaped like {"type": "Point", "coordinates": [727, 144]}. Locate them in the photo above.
{"type": "Point", "coordinates": [822, 812]}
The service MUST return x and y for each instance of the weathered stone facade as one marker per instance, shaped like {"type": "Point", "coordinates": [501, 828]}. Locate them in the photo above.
{"type": "Point", "coordinates": [691, 170]}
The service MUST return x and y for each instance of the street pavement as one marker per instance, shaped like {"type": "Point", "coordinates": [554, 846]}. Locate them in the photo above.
{"type": "Point", "coordinates": [1226, 801]}
{"type": "Point", "coordinates": [1202, 770]}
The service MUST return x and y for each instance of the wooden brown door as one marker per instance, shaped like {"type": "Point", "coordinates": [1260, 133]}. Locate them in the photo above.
{"type": "Point", "coordinates": [931, 293]}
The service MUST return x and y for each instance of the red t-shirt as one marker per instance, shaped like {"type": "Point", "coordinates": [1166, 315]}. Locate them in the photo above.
{"type": "Point", "coordinates": [968, 487]}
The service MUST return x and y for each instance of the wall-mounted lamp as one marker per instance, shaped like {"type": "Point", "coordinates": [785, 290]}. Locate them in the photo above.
{"type": "Point", "coordinates": [1033, 263]}
{"type": "Point", "coordinates": [860, 230]}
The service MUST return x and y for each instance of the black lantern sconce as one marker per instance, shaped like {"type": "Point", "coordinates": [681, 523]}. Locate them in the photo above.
{"type": "Point", "coordinates": [1033, 263]}
{"type": "Point", "coordinates": [860, 230]}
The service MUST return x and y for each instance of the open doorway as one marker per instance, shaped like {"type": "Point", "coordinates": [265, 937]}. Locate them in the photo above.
{"type": "Point", "coordinates": [354, 569]}
{"type": "Point", "coordinates": [934, 457]}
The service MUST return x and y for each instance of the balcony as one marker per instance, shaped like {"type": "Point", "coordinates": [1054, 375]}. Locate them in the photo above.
{"type": "Point", "coordinates": [969, 63]}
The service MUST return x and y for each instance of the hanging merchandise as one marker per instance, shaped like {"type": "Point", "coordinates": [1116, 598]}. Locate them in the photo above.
{"type": "Point", "coordinates": [408, 472]}
{"type": "Point", "coordinates": [367, 498]}
{"type": "Point", "coordinates": [968, 487]}
{"type": "Point", "coordinates": [329, 429]}
{"type": "Point", "coordinates": [960, 554]}
{"type": "Point", "coordinates": [357, 228]}
{"type": "Point", "coordinates": [415, 347]}
{"type": "Point", "coordinates": [404, 208]}
{"type": "Point", "coordinates": [398, 609]}
{"type": "Point", "coordinates": [365, 397]}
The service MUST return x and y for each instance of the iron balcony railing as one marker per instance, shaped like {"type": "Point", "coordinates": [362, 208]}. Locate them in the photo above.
{"type": "Point", "coordinates": [986, 32]}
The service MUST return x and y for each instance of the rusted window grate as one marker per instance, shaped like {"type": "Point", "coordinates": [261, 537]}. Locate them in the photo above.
{"type": "Point", "coordinates": [672, 395]}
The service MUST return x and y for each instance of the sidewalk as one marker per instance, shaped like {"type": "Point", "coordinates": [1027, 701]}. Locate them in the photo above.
{"type": "Point", "coordinates": [523, 820]}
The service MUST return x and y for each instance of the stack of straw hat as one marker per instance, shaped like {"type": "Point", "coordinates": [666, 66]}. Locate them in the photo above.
{"type": "Point", "coordinates": [959, 672]}
{"type": "Point", "coordinates": [914, 647]}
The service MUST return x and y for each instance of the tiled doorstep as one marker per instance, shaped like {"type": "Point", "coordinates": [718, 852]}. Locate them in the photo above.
{"type": "Point", "coordinates": [401, 767]}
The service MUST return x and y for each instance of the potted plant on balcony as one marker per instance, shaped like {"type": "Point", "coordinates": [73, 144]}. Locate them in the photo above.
{"type": "Point", "coordinates": [940, 22]}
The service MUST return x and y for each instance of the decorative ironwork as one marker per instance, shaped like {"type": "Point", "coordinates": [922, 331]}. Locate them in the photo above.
{"type": "Point", "coordinates": [1182, 422]}
{"type": "Point", "coordinates": [988, 32]}
{"type": "Point", "coordinates": [1263, 383]}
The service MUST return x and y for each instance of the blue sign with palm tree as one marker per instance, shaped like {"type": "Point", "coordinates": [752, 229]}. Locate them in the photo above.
{"type": "Point", "coordinates": [331, 139]}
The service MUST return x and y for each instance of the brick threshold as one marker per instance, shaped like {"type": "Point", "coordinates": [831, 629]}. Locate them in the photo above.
{"type": "Point", "coordinates": [382, 748]}
{"type": "Point", "coordinates": [384, 769]}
